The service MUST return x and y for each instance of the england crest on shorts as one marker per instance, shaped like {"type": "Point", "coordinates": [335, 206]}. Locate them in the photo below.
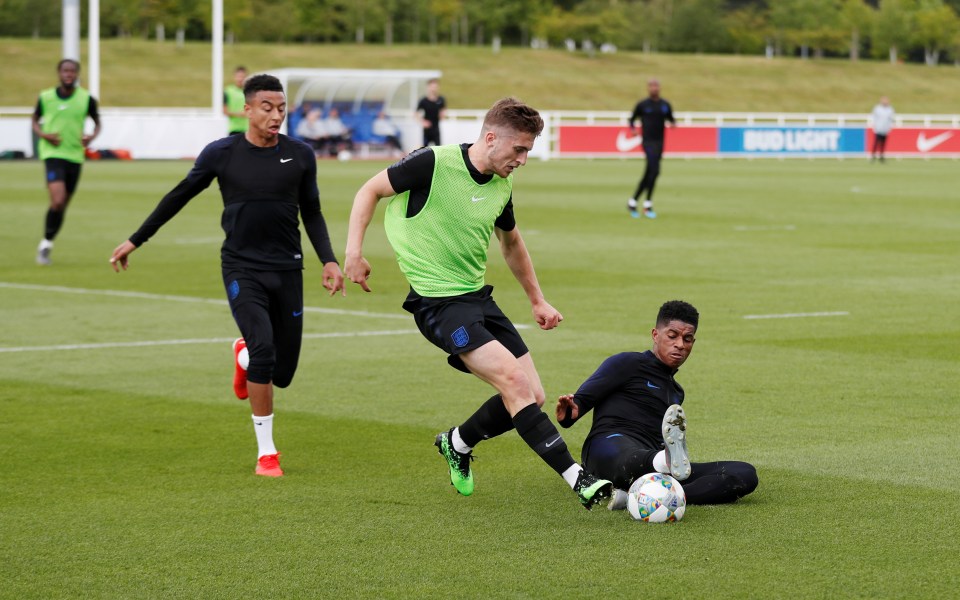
{"type": "Point", "coordinates": [460, 337]}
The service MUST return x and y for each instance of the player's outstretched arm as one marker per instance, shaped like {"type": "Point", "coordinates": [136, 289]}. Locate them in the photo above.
{"type": "Point", "coordinates": [356, 268]}
{"type": "Point", "coordinates": [120, 255]}
{"type": "Point", "coordinates": [197, 180]}
{"type": "Point", "coordinates": [518, 259]}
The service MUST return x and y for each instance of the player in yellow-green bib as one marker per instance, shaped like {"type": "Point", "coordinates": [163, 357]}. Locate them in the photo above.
{"type": "Point", "coordinates": [446, 202]}
{"type": "Point", "coordinates": [58, 121]}
{"type": "Point", "coordinates": [233, 101]}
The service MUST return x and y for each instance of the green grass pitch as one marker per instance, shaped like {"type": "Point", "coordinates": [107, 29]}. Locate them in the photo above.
{"type": "Point", "coordinates": [128, 469]}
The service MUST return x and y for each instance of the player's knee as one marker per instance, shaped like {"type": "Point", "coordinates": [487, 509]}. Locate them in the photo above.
{"type": "Point", "coordinates": [282, 380]}
{"type": "Point", "coordinates": [283, 375]}
{"type": "Point", "coordinates": [516, 390]}
{"type": "Point", "coordinates": [263, 359]}
{"type": "Point", "coordinates": [539, 395]}
{"type": "Point", "coordinates": [744, 478]}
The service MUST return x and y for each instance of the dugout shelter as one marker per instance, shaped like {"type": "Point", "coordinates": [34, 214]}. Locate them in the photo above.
{"type": "Point", "coordinates": [358, 94]}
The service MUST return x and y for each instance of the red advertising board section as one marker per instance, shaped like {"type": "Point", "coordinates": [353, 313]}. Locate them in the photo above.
{"type": "Point", "coordinates": [920, 141]}
{"type": "Point", "coordinates": [613, 140]}
{"type": "Point", "coordinates": [616, 141]}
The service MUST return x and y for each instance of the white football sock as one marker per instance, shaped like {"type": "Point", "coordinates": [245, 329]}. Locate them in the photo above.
{"type": "Point", "coordinates": [263, 427]}
{"type": "Point", "coordinates": [647, 204]}
{"type": "Point", "coordinates": [660, 462]}
{"type": "Point", "coordinates": [632, 202]}
{"type": "Point", "coordinates": [571, 474]}
{"type": "Point", "coordinates": [458, 443]}
{"type": "Point", "coordinates": [45, 244]}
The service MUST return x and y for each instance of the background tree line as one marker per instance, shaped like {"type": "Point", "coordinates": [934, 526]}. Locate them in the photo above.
{"type": "Point", "coordinates": [913, 30]}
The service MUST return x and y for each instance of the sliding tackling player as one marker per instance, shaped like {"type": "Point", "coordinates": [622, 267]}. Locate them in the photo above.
{"type": "Point", "coordinates": [638, 424]}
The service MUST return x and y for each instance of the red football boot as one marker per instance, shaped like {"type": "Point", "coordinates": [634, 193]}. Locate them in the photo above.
{"type": "Point", "coordinates": [239, 373]}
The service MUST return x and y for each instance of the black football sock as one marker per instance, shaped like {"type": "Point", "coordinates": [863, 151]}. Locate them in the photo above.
{"type": "Point", "coordinates": [490, 420]}
{"type": "Point", "coordinates": [53, 223]}
{"type": "Point", "coordinates": [542, 436]}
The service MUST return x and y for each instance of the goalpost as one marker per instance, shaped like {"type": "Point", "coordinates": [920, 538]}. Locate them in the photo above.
{"type": "Point", "coordinates": [70, 36]}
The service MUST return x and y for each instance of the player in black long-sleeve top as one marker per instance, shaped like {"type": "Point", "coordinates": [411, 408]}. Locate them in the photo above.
{"type": "Point", "coordinates": [653, 114]}
{"type": "Point", "coordinates": [638, 424]}
{"type": "Point", "coordinates": [267, 180]}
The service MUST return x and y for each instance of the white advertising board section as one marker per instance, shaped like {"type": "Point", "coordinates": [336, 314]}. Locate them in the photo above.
{"type": "Point", "coordinates": [15, 134]}
{"type": "Point", "coordinates": [156, 136]}
{"type": "Point", "coordinates": [166, 134]}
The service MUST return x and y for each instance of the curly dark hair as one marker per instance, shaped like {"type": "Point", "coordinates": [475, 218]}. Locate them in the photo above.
{"type": "Point", "coordinates": [261, 83]}
{"type": "Point", "coordinates": [514, 114]}
{"type": "Point", "coordinates": [678, 310]}
{"type": "Point", "coordinates": [75, 62]}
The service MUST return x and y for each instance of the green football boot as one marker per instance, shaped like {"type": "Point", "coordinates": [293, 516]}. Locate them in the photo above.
{"type": "Point", "coordinates": [461, 477]}
{"type": "Point", "coordinates": [592, 490]}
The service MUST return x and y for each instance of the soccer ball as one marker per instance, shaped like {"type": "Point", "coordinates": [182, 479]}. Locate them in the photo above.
{"type": "Point", "coordinates": [656, 498]}
{"type": "Point", "coordinates": [344, 155]}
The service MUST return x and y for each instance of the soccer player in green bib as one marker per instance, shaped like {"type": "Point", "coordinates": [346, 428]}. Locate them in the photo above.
{"type": "Point", "coordinates": [445, 203]}
{"type": "Point", "coordinates": [58, 122]}
{"type": "Point", "coordinates": [233, 101]}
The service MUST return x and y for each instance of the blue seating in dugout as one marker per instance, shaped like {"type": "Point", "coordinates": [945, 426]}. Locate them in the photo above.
{"type": "Point", "coordinates": [359, 121]}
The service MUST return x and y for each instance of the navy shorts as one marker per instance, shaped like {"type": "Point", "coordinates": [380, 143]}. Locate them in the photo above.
{"type": "Point", "coordinates": [58, 169]}
{"type": "Point", "coordinates": [458, 324]}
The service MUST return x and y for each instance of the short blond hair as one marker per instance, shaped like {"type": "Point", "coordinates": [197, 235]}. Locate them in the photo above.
{"type": "Point", "coordinates": [513, 114]}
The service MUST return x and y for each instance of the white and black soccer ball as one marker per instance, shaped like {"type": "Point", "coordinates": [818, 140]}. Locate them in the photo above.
{"type": "Point", "coordinates": [656, 498]}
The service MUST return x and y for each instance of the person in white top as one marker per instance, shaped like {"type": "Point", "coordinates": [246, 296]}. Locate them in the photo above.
{"type": "Point", "coordinates": [882, 117]}
{"type": "Point", "coordinates": [341, 137]}
{"type": "Point", "coordinates": [312, 130]}
{"type": "Point", "coordinates": [388, 130]}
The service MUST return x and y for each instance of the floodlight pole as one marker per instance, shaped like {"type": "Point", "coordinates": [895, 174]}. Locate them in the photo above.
{"type": "Point", "coordinates": [93, 48]}
{"type": "Point", "coordinates": [70, 29]}
{"type": "Point", "coordinates": [217, 58]}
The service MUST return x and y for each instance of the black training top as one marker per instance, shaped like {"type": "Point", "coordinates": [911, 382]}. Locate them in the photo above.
{"type": "Point", "coordinates": [263, 189]}
{"type": "Point", "coordinates": [652, 115]}
{"type": "Point", "coordinates": [431, 109]}
{"type": "Point", "coordinates": [414, 172]}
{"type": "Point", "coordinates": [629, 393]}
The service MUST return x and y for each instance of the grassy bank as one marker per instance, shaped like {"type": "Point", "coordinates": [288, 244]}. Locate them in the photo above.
{"type": "Point", "coordinates": [146, 73]}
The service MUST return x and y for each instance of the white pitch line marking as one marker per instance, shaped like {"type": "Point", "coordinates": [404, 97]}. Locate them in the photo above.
{"type": "Point", "coordinates": [765, 228]}
{"type": "Point", "coordinates": [186, 342]}
{"type": "Point", "coordinates": [169, 298]}
{"type": "Point", "coordinates": [839, 313]}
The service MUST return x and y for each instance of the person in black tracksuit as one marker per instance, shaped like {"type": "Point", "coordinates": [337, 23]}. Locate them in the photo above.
{"type": "Point", "coordinates": [629, 395]}
{"type": "Point", "coordinates": [653, 114]}
{"type": "Point", "coordinates": [268, 182]}
{"type": "Point", "coordinates": [432, 108]}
